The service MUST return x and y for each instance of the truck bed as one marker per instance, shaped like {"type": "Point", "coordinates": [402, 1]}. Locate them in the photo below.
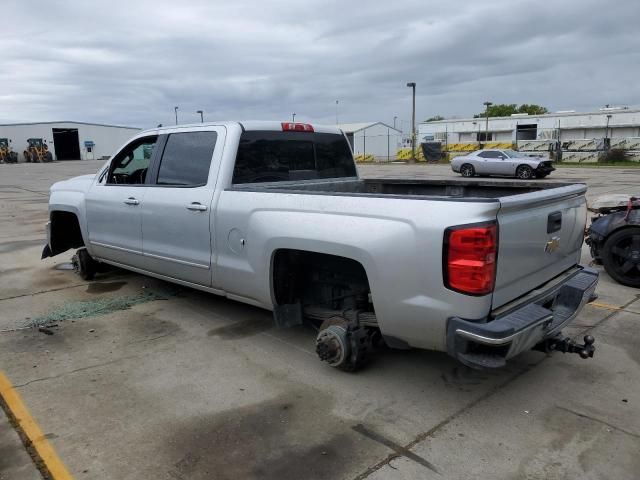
{"type": "Point", "coordinates": [446, 189]}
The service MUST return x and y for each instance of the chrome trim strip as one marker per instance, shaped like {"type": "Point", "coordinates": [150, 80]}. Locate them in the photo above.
{"type": "Point", "coordinates": [113, 247]}
{"type": "Point", "coordinates": [160, 257]}
{"type": "Point", "coordinates": [175, 260]}
{"type": "Point", "coordinates": [503, 340]}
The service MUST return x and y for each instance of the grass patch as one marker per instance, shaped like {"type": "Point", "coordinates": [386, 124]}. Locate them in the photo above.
{"type": "Point", "coordinates": [92, 308]}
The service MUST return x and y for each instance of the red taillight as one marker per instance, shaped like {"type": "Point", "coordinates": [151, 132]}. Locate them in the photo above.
{"type": "Point", "coordinates": [470, 259]}
{"type": "Point", "coordinates": [296, 127]}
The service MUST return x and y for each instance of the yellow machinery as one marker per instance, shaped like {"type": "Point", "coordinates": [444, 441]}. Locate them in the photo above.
{"type": "Point", "coordinates": [37, 151]}
{"type": "Point", "coordinates": [7, 155]}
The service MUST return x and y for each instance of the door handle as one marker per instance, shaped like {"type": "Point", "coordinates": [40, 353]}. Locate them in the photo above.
{"type": "Point", "coordinates": [131, 201]}
{"type": "Point", "coordinates": [198, 207]}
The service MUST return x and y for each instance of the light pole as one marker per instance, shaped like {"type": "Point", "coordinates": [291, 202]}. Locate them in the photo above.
{"type": "Point", "coordinates": [336, 112]}
{"type": "Point", "coordinates": [175, 110]}
{"type": "Point", "coordinates": [486, 131]}
{"type": "Point", "coordinates": [395, 117]}
{"type": "Point", "coordinates": [606, 131]}
{"type": "Point", "coordinates": [201, 115]}
{"type": "Point", "coordinates": [293, 117]}
{"type": "Point", "coordinates": [413, 122]}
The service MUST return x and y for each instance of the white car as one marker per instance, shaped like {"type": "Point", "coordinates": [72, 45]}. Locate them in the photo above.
{"type": "Point", "coordinates": [507, 163]}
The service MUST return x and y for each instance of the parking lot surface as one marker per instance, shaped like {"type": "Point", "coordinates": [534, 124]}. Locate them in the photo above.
{"type": "Point", "coordinates": [142, 379]}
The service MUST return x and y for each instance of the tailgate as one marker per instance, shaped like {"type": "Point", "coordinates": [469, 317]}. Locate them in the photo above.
{"type": "Point", "coordinates": [540, 236]}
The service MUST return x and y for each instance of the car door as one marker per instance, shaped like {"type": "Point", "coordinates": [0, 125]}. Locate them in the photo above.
{"type": "Point", "coordinates": [504, 165]}
{"type": "Point", "coordinates": [483, 162]}
{"type": "Point", "coordinates": [113, 205]}
{"type": "Point", "coordinates": [177, 217]}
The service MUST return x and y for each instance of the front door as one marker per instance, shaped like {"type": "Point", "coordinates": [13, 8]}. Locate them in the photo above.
{"type": "Point", "coordinates": [177, 211]}
{"type": "Point", "coordinates": [114, 202]}
{"type": "Point", "coordinates": [505, 165]}
{"type": "Point", "coordinates": [484, 162]}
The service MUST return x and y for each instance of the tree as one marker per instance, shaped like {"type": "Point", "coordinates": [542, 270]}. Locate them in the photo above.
{"type": "Point", "coordinates": [507, 109]}
{"type": "Point", "coordinates": [532, 109]}
{"type": "Point", "coordinates": [435, 118]}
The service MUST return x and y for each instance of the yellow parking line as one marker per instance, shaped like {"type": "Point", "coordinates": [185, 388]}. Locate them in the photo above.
{"type": "Point", "coordinates": [20, 414]}
{"type": "Point", "coordinates": [605, 305]}
{"type": "Point", "coordinates": [612, 307]}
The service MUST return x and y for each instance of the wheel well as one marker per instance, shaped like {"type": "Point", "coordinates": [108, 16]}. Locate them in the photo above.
{"type": "Point", "coordinates": [311, 278]}
{"type": "Point", "coordinates": [618, 229]}
{"type": "Point", "coordinates": [523, 165]}
{"type": "Point", "coordinates": [65, 232]}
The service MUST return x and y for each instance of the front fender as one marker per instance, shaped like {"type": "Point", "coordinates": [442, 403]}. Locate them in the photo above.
{"type": "Point", "coordinates": [72, 202]}
{"type": "Point", "coordinates": [604, 226]}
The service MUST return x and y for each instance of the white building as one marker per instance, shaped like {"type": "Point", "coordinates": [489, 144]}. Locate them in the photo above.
{"type": "Point", "coordinates": [69, 140]}
{"type": "Point", "coordinates": [563, 126]}
{"type": "Point", "coordinates": [373, 138]}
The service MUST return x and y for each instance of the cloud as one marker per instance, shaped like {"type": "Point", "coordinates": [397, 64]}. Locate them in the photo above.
{"type": "Point", "coordinates": [132, 62]}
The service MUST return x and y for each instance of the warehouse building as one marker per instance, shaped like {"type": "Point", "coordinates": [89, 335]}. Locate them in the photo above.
{"type": "Point", "coordinates": [68, 140]}
{"type": "Point", "coordinates": [376, 140]}
{"type": "Point", "coordinates": [619, 122]}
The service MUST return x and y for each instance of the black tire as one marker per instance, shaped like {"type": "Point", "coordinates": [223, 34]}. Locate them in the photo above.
{"type": "Point", "coordinates": [48, 157]}
{"type": "Point", "coordinates": [524, 172]}
{"type": "Point", "coordinates": [541, 175]}
{"type": "Point", "coordinates": [85, 265]}
{"type": "Point", "coordinates": [467, 170]}
{"type": "Point", "coordinates": [621, 256]}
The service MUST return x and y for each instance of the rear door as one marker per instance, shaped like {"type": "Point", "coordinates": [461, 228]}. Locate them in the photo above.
{"type": "Point", "coordinates": [113, 205]}
{"type": "Point", "coordinates": [177, 217]}
{"type": "Point", "coordinates": [540, 236]}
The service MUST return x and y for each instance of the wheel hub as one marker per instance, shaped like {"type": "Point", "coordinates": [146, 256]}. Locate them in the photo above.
{"type": "Point", "coordinates": [332, 345]}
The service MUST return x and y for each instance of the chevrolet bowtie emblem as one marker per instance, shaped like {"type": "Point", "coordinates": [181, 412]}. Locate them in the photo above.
{"type": "Point", "coordinates": [552, 245]}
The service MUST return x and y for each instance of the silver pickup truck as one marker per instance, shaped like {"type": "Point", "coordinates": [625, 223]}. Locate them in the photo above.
{"type": "Point", "coordinates": [274, 215]}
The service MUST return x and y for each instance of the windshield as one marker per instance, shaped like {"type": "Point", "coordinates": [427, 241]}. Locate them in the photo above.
{"type": "Point", "coordinates": [514, 154]}
{"type": "Point", "coordinates": [268, 156]}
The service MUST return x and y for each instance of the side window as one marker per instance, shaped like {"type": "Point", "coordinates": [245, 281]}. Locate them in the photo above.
{"type": "Point", "coordinates": [484, 154]}
{"type": "Point", "coordinates": [130, 166]}
{"type": "Point", "coordinates": [186, 159]}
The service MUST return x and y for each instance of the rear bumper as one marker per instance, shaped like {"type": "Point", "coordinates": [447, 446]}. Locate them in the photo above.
{"type": "Point", "coordinates": [490, 344]}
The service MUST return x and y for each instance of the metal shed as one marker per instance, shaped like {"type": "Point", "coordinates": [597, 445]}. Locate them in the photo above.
{"type": "Point", "coordinates": [373, 138]}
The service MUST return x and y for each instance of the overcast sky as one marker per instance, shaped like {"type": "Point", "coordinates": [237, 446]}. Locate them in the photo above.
{"type": "Point", "coordinates": [131, 62]}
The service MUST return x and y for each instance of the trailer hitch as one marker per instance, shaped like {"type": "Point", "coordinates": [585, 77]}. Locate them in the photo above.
{"type": "Point", "coordinates": [567, 345]}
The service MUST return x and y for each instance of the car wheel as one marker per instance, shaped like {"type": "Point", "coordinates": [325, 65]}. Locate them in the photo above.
{"type": "Point", "coordinates": [467, 170]}
{"type": "Point", "coordinates": [621, 256]}
{"type": "Point", "coordinates": [84, 264]}
{"type": "Point", "coordinates": [524, 172]}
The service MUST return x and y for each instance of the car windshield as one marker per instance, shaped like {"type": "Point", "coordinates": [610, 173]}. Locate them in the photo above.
{"type": "Point", "coordinates": [514, 154]}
